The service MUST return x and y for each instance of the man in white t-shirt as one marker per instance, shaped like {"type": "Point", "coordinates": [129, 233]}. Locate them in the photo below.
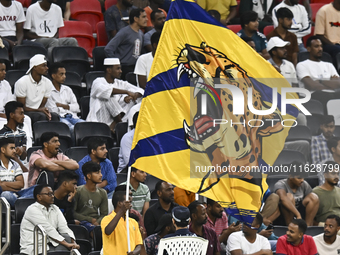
{"type": "Point", "coordinates": [43, 20]}
{"type": "Point", "coordinates": [248, 241]}
{"type": "Point", "coordinates": [319, 77]}
{"type": "Point", "coordinates": [301, 25]}
{"type": "Point", "coordinates": [329, 242]}
{"type": "Point", "coordinates": [33, 90]}
{"type": "Point", "coordinates": [144, 62]}
{"type": "Point", "coordinates": [12, 20]}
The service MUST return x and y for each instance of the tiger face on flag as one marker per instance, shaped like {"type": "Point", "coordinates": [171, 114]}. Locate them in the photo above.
{"type": "Point", "coordinates": [202, 72]}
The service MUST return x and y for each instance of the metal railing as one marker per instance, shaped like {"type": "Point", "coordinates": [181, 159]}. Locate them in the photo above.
{"type": "Point", "coordinates": [8, 224]}
{"type": "Point", "coordinates": [38, 228]}
{"type": "Point", "coordinates": [75, 252]}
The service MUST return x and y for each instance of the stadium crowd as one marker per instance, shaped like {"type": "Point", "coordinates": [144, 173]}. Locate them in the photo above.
{"type": "Point", "coordinates": [69, 104]}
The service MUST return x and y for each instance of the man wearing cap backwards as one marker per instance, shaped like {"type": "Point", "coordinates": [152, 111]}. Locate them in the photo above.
{"type": "Point", "coordinates": [181, 220]}
{"type": "Point", "coordinates": [278, 52]}
{"type": "Point", "coordinates": [33, 90]}
{"type": "Point", "coordinates": [198, 215]}
{"type": "Point", "coordinates": [111, 98]}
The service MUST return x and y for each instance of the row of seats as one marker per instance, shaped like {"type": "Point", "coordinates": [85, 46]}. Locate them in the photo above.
{"type": "Point", "coordinates": [83, 131]}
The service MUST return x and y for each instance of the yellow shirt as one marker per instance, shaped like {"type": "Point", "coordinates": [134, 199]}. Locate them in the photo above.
{"type": "Point", "coordinates": [222, 6]}
{"type": "Point", "coordinates": [327, 23]}
{"type": "Point", "coordinates": [116, 243]}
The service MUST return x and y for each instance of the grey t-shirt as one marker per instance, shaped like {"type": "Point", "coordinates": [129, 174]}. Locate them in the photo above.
{"type": "Point", "coordinates": [147, 37]}
{"type": "Point", "coordinates": [126, 45]}
{"type": "Point", "coordinates": [300, 193]}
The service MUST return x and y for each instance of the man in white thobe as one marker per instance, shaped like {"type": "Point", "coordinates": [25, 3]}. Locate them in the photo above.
{"type": "Point", "coordinates": [111, 98]}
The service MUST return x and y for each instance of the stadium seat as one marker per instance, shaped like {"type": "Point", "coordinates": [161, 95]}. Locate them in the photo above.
{"type": "Point", "coordinates": [267, 30]}
{"type": "Point", "coordinates": [299, 132]}
{"type": "Point", "coordinates": [84, 104]}
{"type": "Point", "coordinates": [61, 128]}
{"type": "Point", "coordinates": [5, 58]}
{"type": "Point", "coordinates": [113, 156]}
{"type": "Point", "coordinates": [79, 231]}
{"type": "Point", "coordinates": [338, 61]}
{"type": "Point", "coordinates": [314, 107]}
{"type": "Point", "coordinates": [321, 1]}
{"type": "Point", "coordinates": [95, 252]}
{"type": "Point", "coordinates": [21, 206]}
{"type": "Point", "coordinates": [80, 30]}
{"type": "Point", "coordinates": [131, 78]}
{"type": "Point", "coordinates": [286, 157]}
{"type": "Point", "coordinates": [102, 39]}
{"type": "Point", "coordinates": [109, 3]}
{"type": "Point", "coordinates": [333, 109]}
{"type": "Point", "coordinates": [76, 153]}
{"type": "Point", "coordinates": [337, 131]}
{"type": "Point", "coordinates": [23, 53]}
{"type": "Point", "coordinates": [73, 81]}
{"type": "Point", "coordinates": [313, 122]}
{"type": "Point", "coordinates": [152, 202]}
{"type": "Point", "coordinates": [273, 178]}
{"type": "Point", "coordinates": [90, 77]}
{"type": "Point", "coordinates": [15, 239]}
{"type": "Point", "coordinates": [98, 58]}
{"type": "Point", "coordinates": [234, 28]}
{"type": "Point", "coordinates": [305, 38]}
{"type": "Point", "coordinates": [83, 131]}
{"type": "Point", "coordinates": [31, 150]}
{"type": "Point", "coordinates": [302, 56]}
{"type": "Point", "coordinates": [314, 230]}
{"type": "Point", "coordinates": [25, 3]}
{"type": "Point", "coordinates": [97, 238]}
{"type": "Point", "coordinates": [280, 230]}
{"type": "Point", "coordinates": [90, 12]}
{"type": "Point", "coordinates": [74, 58]}
{"type": "Point", "coordinates": [121, 129]}
{"type": "Point", "coordinates": [13, 75]}
{"type": "Point", "coordinates": [121, 177]}
{"type": "Point", "coordinates": [151, 181]}
{"type": "Point", "coordinates": [313, 179]}
{"type": "Point", "coordinates": [315, 7]}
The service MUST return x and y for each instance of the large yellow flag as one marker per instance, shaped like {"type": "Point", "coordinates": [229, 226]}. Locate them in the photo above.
{"type": "Point", "coordinates": [196, 128]}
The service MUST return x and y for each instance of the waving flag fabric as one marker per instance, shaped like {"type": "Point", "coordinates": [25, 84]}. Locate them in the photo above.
{"type": "Point", "coordinates": [204, 150]}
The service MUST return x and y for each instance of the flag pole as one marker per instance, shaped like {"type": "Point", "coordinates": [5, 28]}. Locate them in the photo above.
{"type": "Point", "coordinates": [127, 212]}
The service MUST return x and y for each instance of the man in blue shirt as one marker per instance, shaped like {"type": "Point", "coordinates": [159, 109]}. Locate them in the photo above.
{"type": "Point", "coordinates": [97, 153]}
{"type": "Point", "coordinates": [250, 24]}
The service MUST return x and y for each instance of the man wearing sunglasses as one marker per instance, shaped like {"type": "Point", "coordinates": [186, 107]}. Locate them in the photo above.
{"type": "Point", "coordinates": [43, 212]}
{"type": "Point", "coordinates": [248, 241]}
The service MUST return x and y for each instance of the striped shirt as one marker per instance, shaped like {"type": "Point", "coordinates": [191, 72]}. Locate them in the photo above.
{"type": "Point", "coordinates": [139, 196]}
{"type": "Point", "coordinates": [9, 175]}
{"type": "Point", "coordinates": [319, 149]}
{"type": "Point", "coordinates": [219, 225]}
{"type": "Point", "coordinates": [19, 135]}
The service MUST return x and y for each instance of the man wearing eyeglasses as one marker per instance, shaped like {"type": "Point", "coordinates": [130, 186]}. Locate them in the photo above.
{"type": "Point", "coordinates": [248, 241]}
{"type": "Point", "coordinates": [44, 213]}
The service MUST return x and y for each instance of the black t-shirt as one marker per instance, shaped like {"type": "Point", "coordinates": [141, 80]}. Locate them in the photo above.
{"type": "Point", "coordinates": [66, 208]}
